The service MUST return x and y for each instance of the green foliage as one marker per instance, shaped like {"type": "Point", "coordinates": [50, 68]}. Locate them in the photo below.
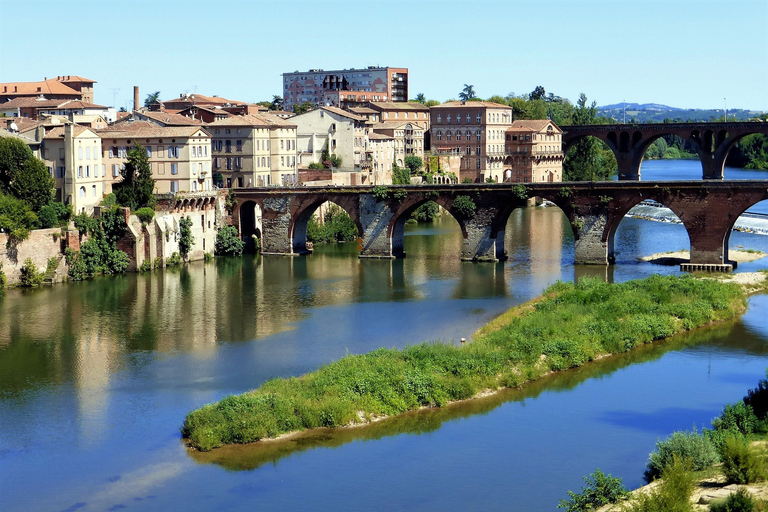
{"type": "Point", "coordinates": [109, 200]}
{"type": "Point", "coordinates": [742, 462]}
{"type": "Point", "coordinates": [673, 494]}
{"type": "Point", "coordinates": [739, 501]}
{"type": "Point", "coordinates": [174, 260]}
{"type": "Point", "coordinates": [208, 257]}
{"type": "Point", "coordinates": [330, 160]}
{"type": "Point", "coordinates": [413, 163]}
{"type": "Point", "coordinates": [427, 212]}
{"type": "Point", "coordinates": [29, 274]}
{"type": "Point", "coordinates": [401, 175]}
{"type": "Point", "coordinates": [399, 194]}
{"type": "Point", "coordinates": [137, 188]}
{"type": "Point", "coordinates": [467, 180]}
{"type": "Point", "coordinates": [380, 193]}
{"type": "Point", "coordinates": [300, 108]}
{"type": "Point", "coordinates": [186, 240]}
{"type": "Point", "coordinates": [228, 242]}
{"type": "Point", "coordinates": [54, 215]}
{"type": "Point", "coordinates": [757, 398]}
{"type": "Point", "coordinates": [316, 165]}
{"type": "Point", "coordinates": [3, 279]}
{"type": "Point", "coordinates": [601, 490]}
{"type": "Point", "coordinates": [738, 417]}
{"type": "Point", "coordinates": [146, 266]}
{"type": "Point", "coordinates": [152, 98]}
{"type": "Point", "coordinates": [145, 214]}
{"type": "Point", "coordinates": [99, 254]}
{"type": "Point", "coordinates": [463, 207]}
{"type": "Point", "coordinates": [573, 324]}
{"type": "Point", "coordinates": [230, 201]}
{"type": "Point", "coordinates": [520, 191]}
{"type": "Point", "coordinates": [697, 448]}
{"type": "Point", "coordinates": [589, 158]}
{"type": "Point", "coordinates": [337, 226]}
{"type": "Point", "coordinates": [33, 184]}
{"type": "Point", "coordinates": [468, 93]}
{"type": "Point", "coordinates": [16, 218]}
{"type": "Point", "coordinates": [14, 153]}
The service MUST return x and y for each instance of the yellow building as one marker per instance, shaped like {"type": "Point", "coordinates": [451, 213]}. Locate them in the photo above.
{"type": "Point", "coordinates": [533, 152]}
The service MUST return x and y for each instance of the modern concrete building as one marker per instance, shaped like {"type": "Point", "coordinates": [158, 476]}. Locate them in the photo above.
{"type": "Point", "coordinates": [345, 87]}
{"type": "Point", "coordinates": [473, 131]}
{"type": "Point", "coordinates": [533, 152]}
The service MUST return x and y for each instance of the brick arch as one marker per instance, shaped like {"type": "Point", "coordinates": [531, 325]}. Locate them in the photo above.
{"type": "Point", "coordinates": [297, 231]}
{"type": "Point", "coordinates": [403, 212]}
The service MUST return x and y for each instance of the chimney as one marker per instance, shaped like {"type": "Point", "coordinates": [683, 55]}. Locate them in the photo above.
{"type": "Point", "coordinates": [135, 97]}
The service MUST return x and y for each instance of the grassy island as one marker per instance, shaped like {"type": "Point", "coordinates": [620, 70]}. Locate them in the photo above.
{"type": "Point", "coordinates": [566, 327]}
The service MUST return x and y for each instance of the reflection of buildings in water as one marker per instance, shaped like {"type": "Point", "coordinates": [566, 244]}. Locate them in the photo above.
{"type": "Point", "coordinates": [535, 235]}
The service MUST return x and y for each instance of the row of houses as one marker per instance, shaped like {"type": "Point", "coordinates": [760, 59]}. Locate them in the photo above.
{"type": "Point", "coordinates": [196, 143]}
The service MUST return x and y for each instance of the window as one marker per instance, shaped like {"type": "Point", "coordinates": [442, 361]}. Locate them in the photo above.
{"type": "Point", "coordinates": [174, 186]}
{"type": "Point", "coordinates": [478, 135]}
{"type": "Point", "coordinates": [88, 153]}
{"type": "Point", "coordinates": [82, 192]}
{"type": "Point", "coordinates": [103, 170]}
{"type": "Point", "coordinates": [439, 119]}
{"type": "Point", "coordinates": [174, 168]}
{"type": "Point", "coordinates": [449, 118]}
{"type": "Point", "coordinates": [478, 149]}
{"type": "Point", "coordinates": [93, 191]}
{"type": "Point", "coordinates": [194, 152]}
{"type": "Point", "coordinates": [79, 171]}
{"type": "Point", "coordinates": [115, 170]}
{"type": "Point", "coordinates": [478, 163]}
{"type": "Point", "coordinates": [469, 135]}
{"type": "Point", "coordinates": [469, 150]}
{"type": "Point", "coordinates": [229, 163]}
{"type": "Point", "coordinates": [448, 136]}
{"type": "Point", "coordinates": [80, 153]}
{"type": "Point", "coordinates": [469, 120]}
{"type": "Point", "coordinates": [239, 145]}
{"type": "Point", "coordinates": [228, 146]}
{"type": "Point", "coordinates": [61, 172]}
{"type": "Point", "coordinates": [149, 151]}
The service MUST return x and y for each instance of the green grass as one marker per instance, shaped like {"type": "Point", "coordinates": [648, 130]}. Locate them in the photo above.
{"type": "Point", "coordinates": [570, 325]}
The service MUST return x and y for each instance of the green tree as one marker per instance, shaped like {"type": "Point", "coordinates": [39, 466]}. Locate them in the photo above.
{"type": "Point", "coordinates": [413, 163]}
{"type": "Point", "coordinates": [185, 239]}
{"type": "Point", "coordinates": [277, 103]}
{"type": "Point", "coordinates": [537, 94]}
{"type": "Point", "coordinates": [34, 184]}
{"type": "Point", "coordinates": [588, 159]}
{"type": "Point", "coordinates": [420, 98]}
{"type": "Point", "coordinates": [13, 154]}
{"type": "Point", "coordinates": [137, 188]}
{"type": "Point", "coordinates": [300, 108]}
{"type": "Point", "coordinates": [228, 242]}
{"type": "Point", "coordinates": [152, 98]}
{"type": "Point", "coordinates": [467, 93]}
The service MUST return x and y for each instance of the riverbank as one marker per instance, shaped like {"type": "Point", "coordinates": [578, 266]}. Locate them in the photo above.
{"type": "Point", "coordinates": [678, 257]}
{"type": "Point", "coordinates": [571, 325]}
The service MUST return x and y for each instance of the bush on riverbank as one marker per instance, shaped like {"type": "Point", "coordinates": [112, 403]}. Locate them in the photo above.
{"type": "Point", "coordinates": [337, 226]}
{"type": "Point", "coordinates": [573, 324]}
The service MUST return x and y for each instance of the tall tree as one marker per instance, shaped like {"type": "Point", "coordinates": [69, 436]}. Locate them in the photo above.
{"type": "Point", "coordinates": [300, 108]}
{"type": "Point", "coordinates": [538, 93]}
{"type": "Point", "coordinates": [467, 93]}
{"type": "Point", "coordinates": [152, 98]}
{"type": "Point", "coordinates": [588, 159]}
{"type": "Point", "coordinates": [13, 153]}
{"type": "Point", "coordinates": [277, 103]}
{"type": "Point", "coordinates": [34, 184]}
{"type": "Point", "coordinates": [420, 98]}
{"type": "Point", "coordinates": [137, 188]}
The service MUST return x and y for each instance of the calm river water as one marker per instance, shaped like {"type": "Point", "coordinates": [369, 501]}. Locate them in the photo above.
{"type": "Point", "coordinates": [96, 377]}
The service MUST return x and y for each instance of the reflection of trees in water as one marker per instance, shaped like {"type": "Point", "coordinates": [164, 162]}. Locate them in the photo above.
{"type": "Point", "coordinates": [249, 457]}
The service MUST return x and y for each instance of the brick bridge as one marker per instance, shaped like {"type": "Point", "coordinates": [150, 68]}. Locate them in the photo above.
{"type": "Point", "coordinates": [707, 209]}
{"type": "Point", "coordinates": [629, 142]}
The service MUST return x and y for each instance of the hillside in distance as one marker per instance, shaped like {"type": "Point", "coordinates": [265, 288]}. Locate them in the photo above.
{"type": "Point", "coordinates": [657, 113]}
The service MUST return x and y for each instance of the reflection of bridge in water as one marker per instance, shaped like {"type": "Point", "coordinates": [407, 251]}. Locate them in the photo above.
{"type": "Point", "coordinates": [707, 209]}
{"type": "Point", "coordinates": [628, 142]}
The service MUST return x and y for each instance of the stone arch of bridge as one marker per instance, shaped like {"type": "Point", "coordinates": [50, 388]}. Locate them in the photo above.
{"type": "Point", "coordinates": [249, 215]}
{"type": "Point", "coordinates": [303, 213]}
{"type": "Point", "coordinates": [396, 228]}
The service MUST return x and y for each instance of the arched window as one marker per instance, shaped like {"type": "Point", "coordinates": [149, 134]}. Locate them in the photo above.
{"type": "Point", "coordinates": [82, 192]}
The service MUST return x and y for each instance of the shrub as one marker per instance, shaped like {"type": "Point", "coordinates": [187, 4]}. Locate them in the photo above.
{"type": "Point", "coordinates": [16, 218]}
{"type": "Point", "coordinates": [692, 446]}
{"type": "Point", "coordinates": [174, 260]}
{"type": "Point", "coordinates": [739, 501]}
{"type": "Point", "coordinates": [467, 180]}
{"type": "Point", "coordinates": [47, 217]}
{"type": "Point", "coordinates": [427, 212]}
{"type": "Point", "coordinates": [208, 257]}
{"type": "Point", "coordinates": [185, 239]}
{"type": "Point", "coordinates": [30, 276]}
{"type": "Point", "coordinates": [600, 490]}
{"type": "Point", "coordinates": [673, 494]}
{"type": "Point", "coordinates": [520, 191]}
{"type": "Point", "coordinates": [337, 226]}
{"type": "Point", "coordinates": [3, 280]}
{"type": "Point", "coordinates": [145, 214]}
{"type": "Point", "coordinates": [146, 266]}
{"type": "Point", "coordinates": [84, 223]}
{"type": "Point", "coordinates": [464, 207]}
{"type": "Point", "coordinates": [380, 192]}
{"type": "Point", "coordinates": [228, 242]}
{"type": "Point", "coordinates": [758, 399]}
{"type": "Point", "coordinates": [109, 200]}
{"type": "Point", "coordinates": [738, 417]}
{"type": "Point", "coordinates": [742, 463]}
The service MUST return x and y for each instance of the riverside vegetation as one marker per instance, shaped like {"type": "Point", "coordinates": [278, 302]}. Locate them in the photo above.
{"type": "Point", "coordinates": [569, 326]}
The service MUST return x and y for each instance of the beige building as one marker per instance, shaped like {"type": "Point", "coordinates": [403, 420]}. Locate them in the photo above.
{"type": "Point", "coordinates": [339, 132]}
{"type": "Point", "coordinates": [180, 156]}
{"type": "Point", "coordinates": [398, 111]}
{"type": "Point", "coordinates": [381, 151]}
{"type": "Point", "coordinates": [533, 152]}
{"type": "Point", "coordinates": [254, 150]}
{"type": "Point", "coordinates": [474, 131]}
{"type": "Point", "coordinates": [408, 139]}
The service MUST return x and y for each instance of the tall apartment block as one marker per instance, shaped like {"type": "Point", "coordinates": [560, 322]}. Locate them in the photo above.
{"type": "Point", "coordinates": [345, 87]}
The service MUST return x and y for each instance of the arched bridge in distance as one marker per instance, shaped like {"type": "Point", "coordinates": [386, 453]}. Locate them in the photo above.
{"type": "Point", "coordinates": [628, 142]}
{"type": "Point", "coordinates": [707, 209]}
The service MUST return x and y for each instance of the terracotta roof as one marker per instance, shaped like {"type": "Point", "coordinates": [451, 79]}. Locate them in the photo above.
{"type": "Point", "coordinates": [536, 125]}
{"type": "Point", "coordinates": [131, 129]}
{"type": "Point", "coordinates": [468, 104]}
{"type": "Point", "coordinates": [80, 104]}
{"type": "Point", "coordinates": [25, 123]}
{"type": "Point", "coordinates": [51, 86]}
{"type": "Point", "coordinates": [398, 105]}
{"type": "Point", "coordinates": [253, 120]}
{"type": "Point", "coordinates": [199, 99]}
{"type": "Point", "coordinates": [26, 101]}
{"type": "Point", "coordinates": [74, 78]}
{"type": "Point", "coordinates": [169, 119]}
{"type": "Point", "coordinates": [363, 110]}
{"type": "Point", "coordinates": [344, 113]}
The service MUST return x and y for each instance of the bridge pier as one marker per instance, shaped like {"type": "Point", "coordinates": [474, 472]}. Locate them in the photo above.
{"type": "Point", "coordinates": [375, 218]}
{"type": "Point", "coordinates": [276, 227]}
{"type": "Point", "coordinates": [591, 245]}
{"type": "Point", "coordinates": [480, 242]}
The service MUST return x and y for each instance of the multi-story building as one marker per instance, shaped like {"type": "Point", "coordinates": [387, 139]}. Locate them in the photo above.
{"type": "Point", "coordinates": [344, 87]}
{"type": "Point", "coordinates": [408, 138]}
{"type": "Point", "coordinates": [59, 88]}
{"type": "Point", "coordinates": [334, 130]}
{"type": "Point", "coordinates": [474, 131]}
{"type": "Point", "coordinates": [180, 156]}
{"type": "Point", "coordinates": [34, 108]}
{"type": "Point", "coordinates": [381, 152]}
{"type": "Point", "coordinates": [253, 150]}
{"type": "Point", "coordinates": [395, 111]}
{"type": "Point", "coordinates": [533, 152]}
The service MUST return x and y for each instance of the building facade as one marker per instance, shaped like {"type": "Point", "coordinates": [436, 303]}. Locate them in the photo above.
{"type": "Point", "coordinates": [254, 150]}
{"type": "Point", "coordinates": [340, 87]}
{"type": "Point", "coordinates": [474, 131]}
{"type": "Point", "coordinates": [533, 152]}
{"type": "Point", "coordinates": [334, 130]}
{"type": "Point", "coordinates": [67, 87]}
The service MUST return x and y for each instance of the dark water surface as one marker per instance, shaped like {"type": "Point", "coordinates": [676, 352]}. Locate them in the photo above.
{"type": "Point", "coordinates": [95, 379]}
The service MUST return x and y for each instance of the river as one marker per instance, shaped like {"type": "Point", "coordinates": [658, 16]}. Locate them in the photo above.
{"type": "Point", "coordinates": [96, 377]}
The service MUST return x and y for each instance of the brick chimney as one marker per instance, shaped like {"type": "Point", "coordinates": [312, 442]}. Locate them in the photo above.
{"type": "Point", "coordinates": [135, 97]}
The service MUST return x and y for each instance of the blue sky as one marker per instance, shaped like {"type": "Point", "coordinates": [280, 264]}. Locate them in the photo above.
{"type": "Point", "coordinates": [682, 53]}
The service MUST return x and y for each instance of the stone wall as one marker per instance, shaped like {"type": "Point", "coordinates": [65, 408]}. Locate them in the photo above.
{"type": "Point", "coordinates": [42, 245]}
